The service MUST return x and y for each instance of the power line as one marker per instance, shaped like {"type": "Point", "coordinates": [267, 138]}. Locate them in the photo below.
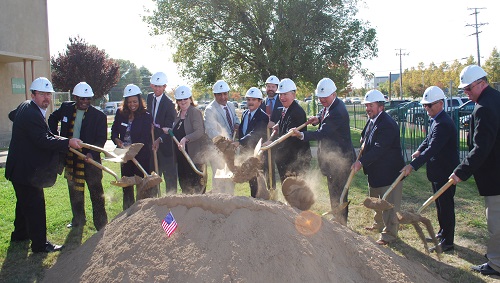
{"type": "Point", "coordinates": [476, 26]}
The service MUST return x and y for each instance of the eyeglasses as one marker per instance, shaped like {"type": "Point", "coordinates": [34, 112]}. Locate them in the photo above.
{"type": "Point", "coordinates": [182, 99]}
{"type": "Point", "coordinates": [85, 98]}
{"type": "Point", "coordinates": [470, 87]}
{"type": "Point", "coordinates": [429, 105]}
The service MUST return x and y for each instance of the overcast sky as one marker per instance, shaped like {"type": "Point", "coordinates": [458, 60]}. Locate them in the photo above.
{"type": "Point", "coordinates": [427, 30]}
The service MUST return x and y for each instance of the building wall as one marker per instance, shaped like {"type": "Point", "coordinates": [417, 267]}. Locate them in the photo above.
{"type": "Point", "coordinates": [24, 53]}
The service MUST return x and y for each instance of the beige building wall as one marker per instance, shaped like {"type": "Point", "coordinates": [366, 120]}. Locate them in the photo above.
{"type": "Point", "coordinates": [24, 55]}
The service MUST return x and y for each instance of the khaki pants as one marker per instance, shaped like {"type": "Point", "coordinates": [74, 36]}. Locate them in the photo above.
{"type": "Point", "coordinates": [492, 204]}
{"type": "Point", "coordinates": [387, 221]}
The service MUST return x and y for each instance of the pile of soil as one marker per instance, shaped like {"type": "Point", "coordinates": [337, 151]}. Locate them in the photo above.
{"type": "Point", "coordinates": [222, 238]}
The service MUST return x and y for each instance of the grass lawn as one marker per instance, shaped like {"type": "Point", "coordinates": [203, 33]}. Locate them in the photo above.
{"type": "Point", "coordinates": [18, 264]}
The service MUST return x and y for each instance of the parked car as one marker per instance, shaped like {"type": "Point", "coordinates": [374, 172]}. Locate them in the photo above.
{"type": "Point", "coordinates": [356, 100]}
{"type": "Point", "coordinates": [234, 103]}
{"type": "Point", "coordinates": [464, 113]}
{"type": "Point", "coordinates": [418, 115]}
{"type": "Point", "coordinates": [399, 112]}
{"type": "Point", "coordinates": [393, 103]}
{"type": "Point", "coordinates": [243, 105]}
{"type": "Point", "coordinates": [111, 107]}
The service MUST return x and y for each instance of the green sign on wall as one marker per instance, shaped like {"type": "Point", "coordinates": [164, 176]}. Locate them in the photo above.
{"type": "Point", "coordinates": [18, 86]}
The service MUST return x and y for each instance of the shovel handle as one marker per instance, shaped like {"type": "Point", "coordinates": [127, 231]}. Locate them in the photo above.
{"type": "Point", "coordinates": [98, 149]}
{"type": "Point", "coordinates": [436, 195]}
{"type": "Point", "coordinates": [190, 161]}
{"type": "Point", "coordinates": [393, 185]}
{"type": "Point", "coordinates": [283, 137]}
{"type": "Point", "coordinates": [351, 176]}
{"type": "Point", "coordinates": [140, 167]}
{"type": "Point", "coordinates": [95, 163]}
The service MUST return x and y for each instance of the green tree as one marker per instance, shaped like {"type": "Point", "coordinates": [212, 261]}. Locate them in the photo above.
{"type": "Point", "coordinates": [492, 66]}
{"type": "Point", "coordinates": [246, 41]}
{"type": "Point", "coordinates": [84, 62]}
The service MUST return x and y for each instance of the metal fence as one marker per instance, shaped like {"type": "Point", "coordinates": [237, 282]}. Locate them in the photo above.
{"type": "Point", "coordinates": [414, 124]}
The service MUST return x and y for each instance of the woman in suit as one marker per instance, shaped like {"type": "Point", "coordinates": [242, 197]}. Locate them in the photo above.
{"type": "Point", "coordinates": [189, 130]}
{"type": "Point", "coordinates": [132, 124]}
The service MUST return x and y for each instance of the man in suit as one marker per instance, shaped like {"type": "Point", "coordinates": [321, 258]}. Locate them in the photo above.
{"type": "Point", "coordinates": [272, 106]}
{"type": "Point", "coordinates": [293, 156]}
{"type": "Point", "coordinates": [439, 150]}
{"type": "Point", "coordinates": [381, 161]}
{"type": "Point", "coordinates": [163, 111]}
{"type": "Point", "coordinates": [220, 120]}
{"type": "Point", "coordinates": [32, 164]}
{"type": "Point", "coordinates": [483, 160]}
{"type": "Point", "coordinates": [335, 149]}
{"type": "Point", "coordinates": [79, 119]}
{"type": "Point", "coordinates": [252, 128]}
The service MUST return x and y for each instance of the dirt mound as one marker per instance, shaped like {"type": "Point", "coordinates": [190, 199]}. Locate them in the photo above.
{"type": "Point", "coordinates": [222, 238]}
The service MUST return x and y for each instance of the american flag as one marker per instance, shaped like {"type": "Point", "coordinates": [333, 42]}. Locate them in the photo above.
{"type": "Point", "coordinates": [169, 224]}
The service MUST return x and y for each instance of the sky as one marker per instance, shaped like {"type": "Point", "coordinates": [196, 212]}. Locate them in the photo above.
{"type": "Point", "coordinates": [425, 30]}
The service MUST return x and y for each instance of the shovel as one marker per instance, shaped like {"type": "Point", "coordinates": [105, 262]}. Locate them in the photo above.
{"type": "Point", "coordinates": [283, 137]}
{"type": "Point", "coordinates": [190, 161]}
{"type": "Point", "coordinates": [382, 204]}
{"type": "Point", "coordinates": [342, 205]}
{"type": "Point", "coordinates": [123, 182]}
{"type": "Point", "coordinates": [436, 195]}
{"type": "Point", "coordinates": [155, 159]}
{"type": "Point", "coordinates": [119, 155]}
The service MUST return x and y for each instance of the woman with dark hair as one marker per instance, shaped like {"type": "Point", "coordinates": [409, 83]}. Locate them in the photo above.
{"type": "Point", "coordinates": [132, 124]}
{"type": "Point", "coordinates": [190, 131]}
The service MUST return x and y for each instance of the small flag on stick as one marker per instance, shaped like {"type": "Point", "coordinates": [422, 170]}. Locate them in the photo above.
{"type": "Point", "coordinates": [169, 224]}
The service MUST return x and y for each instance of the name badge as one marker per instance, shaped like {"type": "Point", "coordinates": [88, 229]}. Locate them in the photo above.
{"type": "Point", "coordinates": [65, 119]}
{"type": "Point", "coordinates": [125, 124]}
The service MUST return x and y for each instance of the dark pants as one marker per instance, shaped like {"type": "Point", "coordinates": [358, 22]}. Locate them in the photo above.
{"type": "Point", "coordinates": [93, 177]}
{"type": "Point", "coordinates": [189, 180]}
{"type": "Point", "coordinates": [335, 188]}
{"type": "Point", "coordinates": [30, 222]}
{"type": "Point", "coordinates": [445, 207]}
{"type": "Point", "coordinates": [129, 169]}
{"type": "Point", "coordinates": [168, 169]}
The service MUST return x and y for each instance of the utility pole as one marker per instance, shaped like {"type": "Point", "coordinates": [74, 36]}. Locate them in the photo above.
{"type": "Point", "coordinates": [476, 26]}
{"type": "Point", "coordinates": [400, 54]}
{"type": "Point", "coordinates": [390, 86]}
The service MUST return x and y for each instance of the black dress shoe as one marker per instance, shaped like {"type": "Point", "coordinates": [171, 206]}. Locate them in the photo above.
{"type": "Point", "coordinates": [444, 247]}
{"type": "Point", "coordinates": [485, 269]}
{"type": "Point", "coordinates": [49, 248]}
{"type": "Point", "coordinates": [438, 237]}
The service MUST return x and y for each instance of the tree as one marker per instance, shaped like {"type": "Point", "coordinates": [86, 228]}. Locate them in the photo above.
{"type": "Point", "coordinates": [492, 66]}
{"type": "Point", "coordinates": [84, 62]}
{"type": "Point", "coordinates": [246, 41]}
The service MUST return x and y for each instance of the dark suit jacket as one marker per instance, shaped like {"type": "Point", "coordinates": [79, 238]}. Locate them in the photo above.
{"type": "Point", "coordinates": [165, 116]}
{"type": "Point", "coordinates": [439, 149]}
{"type": "Point", "coordinates": [94, 126]}
{"type": "Point", "coordinates": [256, 129]}
{"type": "Point", "coordinates": [483, 160]}
{"type": "Point", "coordinates": [33, 150]}
{"type": "Point", "coordinates": [276, 114]}
{"type": "Point", "coordinates": [382, 159]}
{"type": "Point", "coordinates": [140, 132]}
{"type": "Point", "coordinates": [291, 149]}
{"type": "Point", "coordinates": [334, 139]}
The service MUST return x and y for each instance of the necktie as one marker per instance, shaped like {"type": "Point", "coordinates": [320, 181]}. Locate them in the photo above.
{"type": "Point", "coordinates": [229, 121]}
{"type": "Point", "coordinates": [268, 108]}
{"type": "Point", "coordinates": [368, 131]}
{"type": "Point", "coordinates": [247, 122]}
{"type": "Point", "coordinates": [283, 112]}
{"type": "Point", "coordinates": [323, 114]}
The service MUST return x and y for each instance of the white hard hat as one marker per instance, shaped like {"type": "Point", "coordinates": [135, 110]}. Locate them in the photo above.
{"type": "Point", "coordinates": [254, 92]}
{"type": "Point", "coordinates": [158, 78]}
{"type": "Point", "coordinates": [220, 86]}
{"type": "Point", "coordinates": [286, 85]}
{"type": "Point", "coordinates": [273, 80]}
{"type": "Point", "coordinates": [325, 87]}
{"type": "Point", "coordinates": [373, 96]}
{"type": "Point", "coordinates": [471, 74]}
{"type": "Point", "coordinates": [131, 90]}
{"type": "Point", "coordinates": [42, 84]}
{"type": "Point", "coordinates": [83, 89]}
{"type": "Point", "coordinates": [182, 92]}
{"type": "Point", "coordinates": [431, 94]}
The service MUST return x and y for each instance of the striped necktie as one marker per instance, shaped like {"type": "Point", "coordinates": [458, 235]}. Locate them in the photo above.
{"type": "Point", "coordinates": [229, 121]}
